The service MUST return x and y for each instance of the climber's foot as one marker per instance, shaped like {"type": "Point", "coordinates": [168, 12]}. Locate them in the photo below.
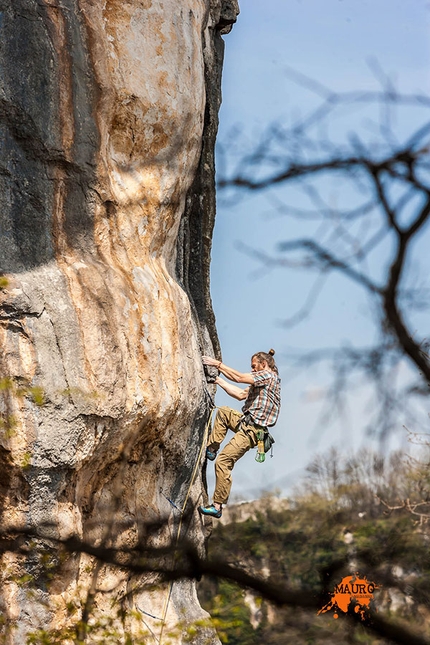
{"type": "Point", "coordinates": [211, 454]}
{"type": "Point", "coordinates": [210, 510]}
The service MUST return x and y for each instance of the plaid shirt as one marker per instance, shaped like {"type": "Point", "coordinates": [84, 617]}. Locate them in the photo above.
{"type": "Point", "coordinates": [264, 398]}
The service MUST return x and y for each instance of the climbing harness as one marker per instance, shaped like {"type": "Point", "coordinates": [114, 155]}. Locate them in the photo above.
{"type": "Point", "coordinates": [265, 440]}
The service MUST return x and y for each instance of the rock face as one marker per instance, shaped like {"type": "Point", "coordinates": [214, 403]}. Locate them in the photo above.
{"type": "Point", "coordinates": [108, 117]}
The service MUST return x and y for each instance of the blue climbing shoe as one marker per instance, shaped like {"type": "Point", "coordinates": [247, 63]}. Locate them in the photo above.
{"type": "Point", "coordinates": [210, 510]}
{"type": "Point", "coordinates": [210, 454]}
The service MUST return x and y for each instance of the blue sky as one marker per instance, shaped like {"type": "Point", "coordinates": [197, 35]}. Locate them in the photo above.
{"type": "Point", "coordinates": [333, 42]}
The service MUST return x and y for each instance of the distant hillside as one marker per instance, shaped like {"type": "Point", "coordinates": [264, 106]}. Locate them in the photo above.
{"type": "Point", "coordinates": [251, 510]}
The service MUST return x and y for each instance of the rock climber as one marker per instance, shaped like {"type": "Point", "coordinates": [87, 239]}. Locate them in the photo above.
{"type": "Point", "coordinates": [260, 411]}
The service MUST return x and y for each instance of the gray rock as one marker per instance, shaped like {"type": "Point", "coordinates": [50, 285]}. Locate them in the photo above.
{"type": "Point", "coordinates": [108, 119]}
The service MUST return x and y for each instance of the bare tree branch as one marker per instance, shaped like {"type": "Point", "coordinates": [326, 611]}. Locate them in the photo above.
{"type": "Point", "coordinates": [388, 179]}
{"type": "Point", "coordinates": [143, 559]}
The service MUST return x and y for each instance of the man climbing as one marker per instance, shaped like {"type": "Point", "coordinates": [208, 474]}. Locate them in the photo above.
{"type": "Point", "coordinates": [260, 411]}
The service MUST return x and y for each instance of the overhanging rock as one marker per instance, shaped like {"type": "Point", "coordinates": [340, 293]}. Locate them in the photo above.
{"type": "Point", "coordinates": [108, 118]}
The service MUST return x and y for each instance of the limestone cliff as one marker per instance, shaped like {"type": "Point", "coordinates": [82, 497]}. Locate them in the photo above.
{"type": "Point", "coordinates": [108, 117]}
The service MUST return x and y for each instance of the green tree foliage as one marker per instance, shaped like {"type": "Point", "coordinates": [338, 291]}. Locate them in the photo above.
{"type": "Point", "coordinates": [338, 522]}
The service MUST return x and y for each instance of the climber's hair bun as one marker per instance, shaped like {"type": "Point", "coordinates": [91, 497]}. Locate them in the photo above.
{"type": "Point", "coordinates": [268, 358]}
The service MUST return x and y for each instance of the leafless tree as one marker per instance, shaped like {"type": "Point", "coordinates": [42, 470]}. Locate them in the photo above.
{"type": "Point", "coordinates": [373, 236]}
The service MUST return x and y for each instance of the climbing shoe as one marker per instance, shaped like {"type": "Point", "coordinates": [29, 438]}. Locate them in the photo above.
{"type": "Point", "coordinates": [210, 454]}
{"type": "Point", "coordinates": [210, 510]}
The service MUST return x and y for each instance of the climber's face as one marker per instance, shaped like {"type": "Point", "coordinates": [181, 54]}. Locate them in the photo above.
{"type": "Point", "coordinates": [257, 365]}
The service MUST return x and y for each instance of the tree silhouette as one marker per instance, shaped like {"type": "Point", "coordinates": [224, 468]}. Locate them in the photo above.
{"type": "Point", "coordinates": [370, 236]}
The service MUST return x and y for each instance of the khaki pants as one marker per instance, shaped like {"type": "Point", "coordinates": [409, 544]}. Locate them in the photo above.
{"type": "Point", "coordinates": [244, 439]}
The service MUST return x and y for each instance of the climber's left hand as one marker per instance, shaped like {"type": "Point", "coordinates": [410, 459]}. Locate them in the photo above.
{"type": "Point", "coordinates": [208, 360]}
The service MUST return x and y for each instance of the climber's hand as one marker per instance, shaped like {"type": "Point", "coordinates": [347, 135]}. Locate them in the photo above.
{"type": "Point", "coordinates": [208, 360]}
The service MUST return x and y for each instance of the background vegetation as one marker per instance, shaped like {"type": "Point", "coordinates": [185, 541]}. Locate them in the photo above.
{"type": "Point", "coordinates": [348, 515]}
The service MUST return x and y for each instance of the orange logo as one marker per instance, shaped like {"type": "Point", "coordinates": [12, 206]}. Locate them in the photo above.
{"type": "Point", "coordinates": [352, 590]}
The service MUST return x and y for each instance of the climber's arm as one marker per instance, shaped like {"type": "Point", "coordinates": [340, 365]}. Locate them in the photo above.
{"type": "Point", "coordinates": [232, 390]}
{"type": "Point", "coordinates": [229, 372]}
